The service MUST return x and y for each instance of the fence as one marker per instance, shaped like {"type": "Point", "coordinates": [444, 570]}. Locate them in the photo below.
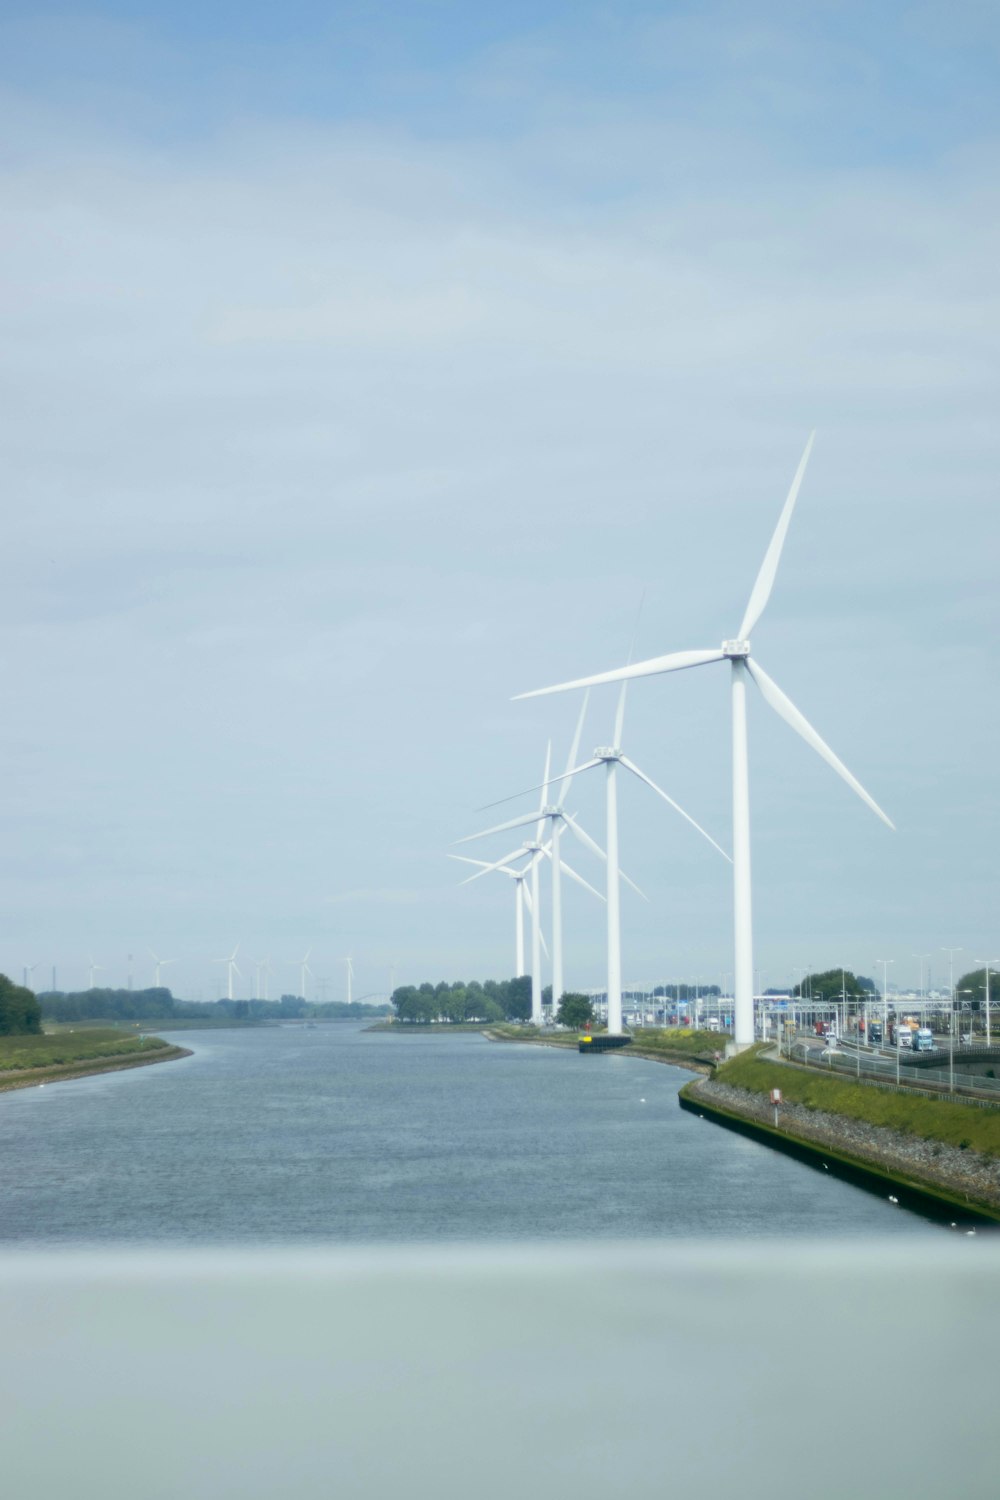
{"type": "Point", "coordinates": [873, 1067]}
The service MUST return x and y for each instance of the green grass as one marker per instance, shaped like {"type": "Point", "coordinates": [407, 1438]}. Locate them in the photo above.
{"type": "Point", "coordinates": [679, 1041]}
{"type": "Point", "coordinates": [962, 1125]}
{"type": "Point", "coordinates": [69, 1047]}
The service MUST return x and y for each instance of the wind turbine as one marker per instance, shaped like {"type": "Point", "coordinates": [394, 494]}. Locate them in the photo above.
{"type": "Point", "coordinates": [94, 969]}
{"type": "Point", "coordinates": [522, 896]}
{"type": "Point", "coordinates": [554, 814]}
{"type": "Point", "coordinates": [160, 963]}
{"type": "Point", "coordinates": [737, 653]}
{"type": "Point", "coordinates": [232, 967]}
{"type": "Point", "coordinates": [612, 757]}
{"type": "Point", "coordinates": [350, 975]}
{"type": "Point", "coordinates": [304, 969]}
{"type": "Point", "coordinates": [261, 966]}
{"type": "Point", "coordinates": [27, 971]}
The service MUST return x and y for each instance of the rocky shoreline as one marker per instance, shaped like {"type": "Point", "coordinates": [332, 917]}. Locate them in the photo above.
{"type": "Point", "coordinates": [949, 1168]}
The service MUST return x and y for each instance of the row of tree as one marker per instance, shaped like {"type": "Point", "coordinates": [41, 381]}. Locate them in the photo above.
{"type": "Point", "coordinates": [158, 1004]}
{"type": "Point", "coordinates": [834, 984]}
{"type": "Point", "coordinates": [20, 1013]}
{"type": "Point", "coordinates": [496, 1000]}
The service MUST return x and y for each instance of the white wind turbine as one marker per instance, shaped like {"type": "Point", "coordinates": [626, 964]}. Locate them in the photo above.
{"type": "Point", "coordinates": [350, 976]}
{"type": "Point", "coordinates": [553, 813]}
{"type": "Point", "coordinates": [160, 963]}
{"type": "Point", "coordinates": [262, 966]}
{"type": "Point", "coordinates": [94, 969]}
{"type": "Point", "coordinates": [612, 757]}
{"type": "Point", "coordinates": [232, 967]}
{"type": "Point", "coordinates": [26, 973]}
{"type": "Point", "coordinates": [522, 896]}
{"type": "Point", "coordinates": [737, 653]}
{"type": "Point", "coordinates": [304, 971]}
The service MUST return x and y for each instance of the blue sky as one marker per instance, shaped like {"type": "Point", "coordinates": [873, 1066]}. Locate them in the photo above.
{"type": "Point", "coordinates": [364, 365]}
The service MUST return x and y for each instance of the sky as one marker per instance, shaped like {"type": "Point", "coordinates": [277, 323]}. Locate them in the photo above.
{"type": "Point", "coordinates": [365, 365]}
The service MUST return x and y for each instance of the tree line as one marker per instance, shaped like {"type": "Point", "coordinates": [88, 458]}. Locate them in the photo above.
{"type": "Point", "coordinates": [457, 1001]}
{"type": "Point", "coordinates": [158, 1004]}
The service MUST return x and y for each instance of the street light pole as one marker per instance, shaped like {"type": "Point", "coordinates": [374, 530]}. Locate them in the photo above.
{"type": "Point", "coordinates": [885, 962]}
{"type": "Point", "coordinates": [986, 962]}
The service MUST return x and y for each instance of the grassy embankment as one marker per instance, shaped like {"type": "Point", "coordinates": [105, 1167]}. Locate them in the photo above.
{"type": "Point", "coordinates": [68, 1054]}
{"type": "Point", "coordinates": [962, 1125]}
{"type": "Point", "coordinates": [677, 1045]}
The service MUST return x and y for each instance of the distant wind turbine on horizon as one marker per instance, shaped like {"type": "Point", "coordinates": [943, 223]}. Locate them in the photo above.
{"type": "Point", "coordinates": [160, 963]}
{"type": "Point", "coordinates": [304, 970]}
{"type": "Point", "coordinates": [231, 967]}
{"type": "Point", "coordinates": [737, 653]}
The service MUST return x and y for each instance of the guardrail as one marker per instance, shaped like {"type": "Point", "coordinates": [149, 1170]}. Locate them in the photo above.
{"type": "Point", "coordinates": [875, 1067]}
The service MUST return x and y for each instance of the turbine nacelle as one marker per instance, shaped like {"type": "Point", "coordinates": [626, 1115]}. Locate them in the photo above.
{"type": "Point", "coordinates": [736, 649]}
{"type": "Point", "coordinates": [607, 752]}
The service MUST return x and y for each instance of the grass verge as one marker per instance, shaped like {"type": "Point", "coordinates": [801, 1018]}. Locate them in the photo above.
{"type": "Point", "coordinates": [39, 1059]}
{"type": "Point", "coordinates": [964, 1126]}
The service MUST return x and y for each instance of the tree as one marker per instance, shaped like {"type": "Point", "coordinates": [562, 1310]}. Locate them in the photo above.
{"type": "Point", "coordinates": [20, 1012]}
{"type": "Point", "coordinates": [832, 984]}
{"type": "Point", "coordinates": [575, 1010]}
{"type": "Point", "coordinates": [975, 982]}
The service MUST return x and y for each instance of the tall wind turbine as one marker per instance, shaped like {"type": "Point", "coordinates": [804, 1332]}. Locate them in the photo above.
{"type": "Point", "coordinates": [522, 896]}
{"type": "Point", "coordinates": [737, 653]}
{"type": "Point", "coordinates": [27, 971]}
{"type": "Point", "coordinates": [304, 971]}
{"type": "Point", "coordinates": [231, 967]}
{"type": "Point", "coordinates": [94, 969]}
{"type": "Point", "coordinates": [350, 976]}
{"type": "Point", "coordinates": [160, 963]}
{"type": "Point", "coordinates": [554, 814]}
{"type": "Point", "coordinates": [612, 757]}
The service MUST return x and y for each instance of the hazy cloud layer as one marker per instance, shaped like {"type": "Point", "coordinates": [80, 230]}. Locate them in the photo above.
{"type": "Point", "coordinates": [330, 427]}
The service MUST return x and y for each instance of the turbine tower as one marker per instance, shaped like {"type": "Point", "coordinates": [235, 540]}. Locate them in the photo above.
{"type": "Point", "coordinates": [350, 976]}
{"type": "Point", "coordinates": [231, 967]}
{"type": "Point", "coordinates": [26, 973]}
{"type": "Point", "coordinates": [737, 653]}
{"type": "Point", "coordinates": [94, 969]}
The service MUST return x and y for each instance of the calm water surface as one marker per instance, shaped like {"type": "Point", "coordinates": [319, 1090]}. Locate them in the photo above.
{"type": "Point", "coordinates": [339, 1134]}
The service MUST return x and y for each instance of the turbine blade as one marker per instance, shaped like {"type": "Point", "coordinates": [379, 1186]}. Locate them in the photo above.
{"type": "Point", "coordinates": [785, 708]}
{"type": "Point", "coordinates": [631, 766]}
{"type": "Point", "coordinates": [589, 843]}
{"type": "Point", "coordinates": [568, 870]}
{"type": "Point", "coordinates": [769, 567]}
{"type": "Point", "coordinates": [576, 770]}
{"type": "Point", "coordinates": [500, 828]}
{"type": "Point", "coordinates": [675, 662]}
{"type": "Point", "coordinates": [497, 865]}
{"type": "Point", "coordinates": [567, 776]}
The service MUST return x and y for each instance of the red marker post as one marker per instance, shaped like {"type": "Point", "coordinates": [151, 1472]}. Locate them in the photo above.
{"type": "Point", "coordinates": [775, 1100]}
